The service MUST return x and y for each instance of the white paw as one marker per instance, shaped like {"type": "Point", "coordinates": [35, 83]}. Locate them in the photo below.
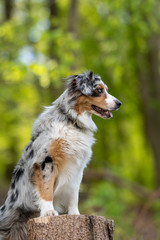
{"type": "Point", "coordinates": [51, 212]}
{"type": "Point", "coordinates": [47, 208]}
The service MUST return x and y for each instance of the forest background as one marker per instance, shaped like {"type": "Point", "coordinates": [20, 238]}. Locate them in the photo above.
{"type": "Point", "coordinates": [41, 43]}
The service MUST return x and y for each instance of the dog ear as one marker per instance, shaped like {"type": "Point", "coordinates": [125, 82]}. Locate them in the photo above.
{"type": "Point", "coordinates": [91, 75]}
{"type": "Point", "coordinates": [82, 82]}
{"type": "Point", "coordinates": [86, 83]}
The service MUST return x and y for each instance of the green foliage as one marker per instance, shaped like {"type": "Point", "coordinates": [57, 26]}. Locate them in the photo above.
{"type": "Point", "coordinates": [35, 58]}
{"type": "Point", "coordinates": [107, 200]}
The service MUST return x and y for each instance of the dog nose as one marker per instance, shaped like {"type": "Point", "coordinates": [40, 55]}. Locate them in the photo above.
{"type": "Point", "coordinates": [118, 103]}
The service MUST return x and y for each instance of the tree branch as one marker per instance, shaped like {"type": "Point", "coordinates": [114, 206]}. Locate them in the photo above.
{"type": "Point", "coordinates": [91, 175]}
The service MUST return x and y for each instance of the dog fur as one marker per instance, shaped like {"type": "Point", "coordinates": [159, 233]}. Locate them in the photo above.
{"type": "Point", "coordinates": [47, 178]}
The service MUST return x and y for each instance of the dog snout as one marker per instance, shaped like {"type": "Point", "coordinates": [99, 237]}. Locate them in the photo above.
{"type": "Point", "coordinates": [118, 103]}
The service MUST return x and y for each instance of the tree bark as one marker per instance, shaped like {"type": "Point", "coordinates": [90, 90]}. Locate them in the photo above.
{"type": "Point", "coordinates": [70, 227]}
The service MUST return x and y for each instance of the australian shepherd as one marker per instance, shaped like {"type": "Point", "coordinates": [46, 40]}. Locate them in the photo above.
{"type": "Point", "coordinates": [47, 178]}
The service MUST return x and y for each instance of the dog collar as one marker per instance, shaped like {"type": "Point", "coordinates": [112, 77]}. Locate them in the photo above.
{"type": "Point", "coordinates": [70, 119]}
{"type": "Point", "coordinates": [75, 124]}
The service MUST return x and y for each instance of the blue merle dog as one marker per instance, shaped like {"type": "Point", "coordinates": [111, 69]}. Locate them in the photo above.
{"type": "Point", "coordinates": [47, 178]}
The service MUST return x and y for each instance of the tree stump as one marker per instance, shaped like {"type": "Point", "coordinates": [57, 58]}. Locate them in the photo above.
{"type": "Point", "coordinates": [70, 227]}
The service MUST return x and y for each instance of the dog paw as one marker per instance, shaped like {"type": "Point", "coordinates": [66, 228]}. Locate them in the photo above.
{"type": "Point", "coordinates": [47, 209]}
{"type": "Point", "coordinates": [49, 213]}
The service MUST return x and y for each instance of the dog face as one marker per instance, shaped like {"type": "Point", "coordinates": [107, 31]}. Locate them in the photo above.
{"type": "Point", "coordinates": [94, 97]}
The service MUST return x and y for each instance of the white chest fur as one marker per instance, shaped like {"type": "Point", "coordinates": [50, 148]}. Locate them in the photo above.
{"type": "Point", "coordinates": [79, 145]}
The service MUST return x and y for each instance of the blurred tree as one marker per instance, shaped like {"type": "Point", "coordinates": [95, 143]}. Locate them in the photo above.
{"type": "Point", "coordinates": [73, 16]}
{"type": "Point", "coordinates": [8, 9]}
{"type": "Point", "coordinates": [53, 15]}
{"type": "Point", "coordinates": [150, 85]}
{"type": "Point", "coordinates": [147, 69]}
{"type": "Point", "coordinates": [53, 10]}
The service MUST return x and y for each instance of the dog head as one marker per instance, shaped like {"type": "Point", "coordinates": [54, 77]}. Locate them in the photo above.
{"type": "Point", "coordinates": [93, 95]}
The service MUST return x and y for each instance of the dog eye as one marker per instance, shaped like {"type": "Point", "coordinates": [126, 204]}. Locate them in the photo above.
{"type": "Point", "coordinates": [100, 90]}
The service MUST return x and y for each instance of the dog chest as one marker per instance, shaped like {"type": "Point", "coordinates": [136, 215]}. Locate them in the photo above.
{"type": "Point", "coordinates": [77, 144]}
{"type": "Point", "coordinates": [71, 152]}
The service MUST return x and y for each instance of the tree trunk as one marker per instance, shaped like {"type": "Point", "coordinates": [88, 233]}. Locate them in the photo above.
{"type": "Point", "coordinates": [68, 227]}
{"type": "Point", "coordinates": [149, 76]}
{"type": "Point", "coordinates": [53, 14]}
{"type": "Point", "coordinates": [53, 10]}
{"type": "Point", "coordinates": [8, 9]}
{"type": "Point", "coordinates": [73, 16]}
{"type": "Point", "coordinates": [150, 90]}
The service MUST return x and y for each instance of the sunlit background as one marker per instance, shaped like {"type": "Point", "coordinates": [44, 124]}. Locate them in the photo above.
{"type": "Point", "coordinates": [41, 43]}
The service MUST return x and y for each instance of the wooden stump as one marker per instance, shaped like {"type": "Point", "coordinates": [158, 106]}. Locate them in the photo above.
{"type": "Point", "coordinates": [70, 227]}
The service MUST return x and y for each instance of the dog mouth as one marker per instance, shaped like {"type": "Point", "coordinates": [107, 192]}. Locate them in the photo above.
{"type": "Point", "coordinates": [102, 112]}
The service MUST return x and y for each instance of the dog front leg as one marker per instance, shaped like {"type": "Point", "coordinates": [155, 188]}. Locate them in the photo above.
{"type": "Point", "coordinates": [73, 204]}
{"type": "Point", "coordinates": [46, 208]}
{"type": "Point", "coordinates": [74, 194]}
{"type": "Point", "coordinates": [43, 178]}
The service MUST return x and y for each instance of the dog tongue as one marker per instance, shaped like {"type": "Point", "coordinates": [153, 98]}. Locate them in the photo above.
{"type": "Point", "coordinates": [110, 114]}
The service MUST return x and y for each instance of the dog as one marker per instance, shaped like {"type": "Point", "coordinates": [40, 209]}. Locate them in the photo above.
{"type": "Point", "coordinates": [47, 178]}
